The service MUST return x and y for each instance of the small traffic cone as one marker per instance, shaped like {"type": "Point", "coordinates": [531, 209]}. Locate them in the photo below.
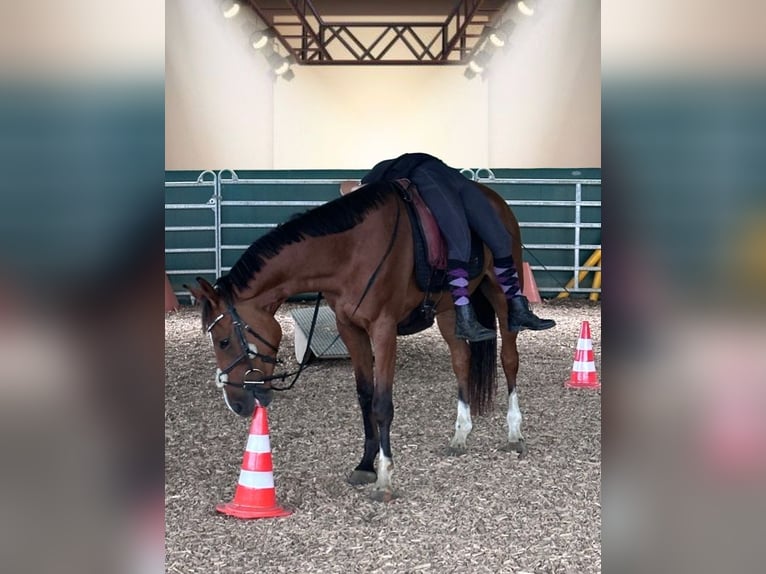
{"type": "Point", "coordinates": [584, 368]}
{"type": "Point", "coordinates": [348, 186]}
{"type": "Point", "coordinates": [171, 301]}
{"type": "Point", "coordinates": [530, 286]}
{"type": "Point", "coordinates": [255, 496]}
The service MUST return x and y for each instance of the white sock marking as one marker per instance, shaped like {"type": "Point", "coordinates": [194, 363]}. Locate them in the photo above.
{"type": "Point", "coordinates": [385, 470]}
{"type": "Point", "coordinates": [514, 418]}
{"type": "Point", "coordinates": [463, 425]}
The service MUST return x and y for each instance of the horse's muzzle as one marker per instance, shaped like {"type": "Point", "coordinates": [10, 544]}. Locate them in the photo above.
{"type": "Point", "coordinates": [263, 395]}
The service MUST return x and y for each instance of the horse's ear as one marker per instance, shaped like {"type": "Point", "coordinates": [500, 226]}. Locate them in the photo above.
{"type": "Point", "coordinates": [196, 293]}
{"type": "Point", "coordinates": [206, 290]}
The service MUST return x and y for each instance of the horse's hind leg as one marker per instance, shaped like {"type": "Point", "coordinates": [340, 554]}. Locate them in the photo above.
{"type": "Point", "coordinates": [460, 355]}
{"type": "Point", "coordinates": [509, 356]}
{"type": "Point", "coordinates": [510, 359]}
{"type": "Point", "coordinates": [358, 344]}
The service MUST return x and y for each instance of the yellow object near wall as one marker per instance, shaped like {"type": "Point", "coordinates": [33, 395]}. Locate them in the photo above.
{"type": "Point", "coordinates": [593, 261]}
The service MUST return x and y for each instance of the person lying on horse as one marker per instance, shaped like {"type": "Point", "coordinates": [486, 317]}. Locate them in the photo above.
{"type": "Point", "coordinates": [459, 207]}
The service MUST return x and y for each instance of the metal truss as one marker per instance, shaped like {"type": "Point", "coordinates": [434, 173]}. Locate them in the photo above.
{"type": "Point", "coordinates": [312, 40]}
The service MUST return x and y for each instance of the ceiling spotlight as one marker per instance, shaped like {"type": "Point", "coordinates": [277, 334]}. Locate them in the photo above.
{"type": "Point", "coordinates": [482, 58]}
{"type": "Point", "coordinates": [279, 64]}
{"type": "Point", "coordinates": [479, 62]}
{"type": "Point", "coordinates": [274, 58]}
{"type": "Point", "coordinates": [469, 73]}
{"type": "Point", "coordinates": [282, 68]}
{"type": "Point", "coordinates": [288, 75]}
{"type": "Point", "coordinates": [499, 36]}
{"type": "Point", "coordinates": [260, 38]}
{"type": "Point", "coordinates": [474, 67]}
{"type": "Point", "coordinates": [230, 8]}
{"type": "Point", "coordinates": [526, 7]}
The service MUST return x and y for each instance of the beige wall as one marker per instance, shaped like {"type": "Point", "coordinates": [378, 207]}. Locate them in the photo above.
{"type": "Point", "coordinates": [540, 107]}
{"type": "Point", "coordinates": [545, 90]}
{"type": "Point", "coordinates": [352, 117]}
{"type": "Point", "coordinates": [218, 96]}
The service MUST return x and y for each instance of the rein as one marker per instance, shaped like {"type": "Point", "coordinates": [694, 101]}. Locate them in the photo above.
{"type": "Point", "coordinates": [253, 385]}
{"type": "Point", "coordinates": [247, 353]}
{"type": "Point", "coordinates": [390, 248]}
{"type": "Point", "coordinates": [305, 360]}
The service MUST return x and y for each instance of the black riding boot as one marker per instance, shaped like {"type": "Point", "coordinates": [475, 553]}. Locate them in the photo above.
{"type": "Point", "coordinates": [520, 317]}
{"type": "Point", "coordinates": [467, 325]}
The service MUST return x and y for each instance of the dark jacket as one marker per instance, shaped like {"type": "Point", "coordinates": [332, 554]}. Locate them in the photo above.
{"type": "Point", "coordinates": [402, 166]}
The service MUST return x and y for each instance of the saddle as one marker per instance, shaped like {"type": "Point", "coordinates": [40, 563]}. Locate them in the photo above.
{"type": "Point", "coordinates": [430, 257]}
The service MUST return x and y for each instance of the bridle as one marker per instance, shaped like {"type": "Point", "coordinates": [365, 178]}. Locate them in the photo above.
{"type": "Point", "coordinates": [247, 354]}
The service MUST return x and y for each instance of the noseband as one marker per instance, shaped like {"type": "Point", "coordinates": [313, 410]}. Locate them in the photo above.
{"type": "Point", "coordinates": [246, 353]}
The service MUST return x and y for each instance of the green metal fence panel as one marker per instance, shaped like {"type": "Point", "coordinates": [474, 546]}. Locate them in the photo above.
{"type": "Point", "coordinates": [559, 212]}
{"type": "Point", "coordinates": [211, 218]}
{"type": "Point", "coordinates": [191, 227]}
{"type": "Point", "coordinates": [253, 202]}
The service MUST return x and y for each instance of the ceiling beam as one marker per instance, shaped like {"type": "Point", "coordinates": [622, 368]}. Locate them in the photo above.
{"type": "Point", "coordinates": [312, 39]}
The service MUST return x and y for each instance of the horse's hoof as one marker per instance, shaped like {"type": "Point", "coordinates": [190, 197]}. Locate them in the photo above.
{"type": "Point", "coordinates": [520, 447]}
{"type": "Point", "coordinates": [362, 477]}
{"type": "Point", "coordinates": [382, 495]}
{"type": "Point", "coordinates": [456, 450]}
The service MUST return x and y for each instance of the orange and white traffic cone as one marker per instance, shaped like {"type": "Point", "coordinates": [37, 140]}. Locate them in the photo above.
{"type": "Point", "coordinates": [171, 301]}
{"type": "Point", "coordinates": [255, 496]}
{"type": "Point", "coordinates": [584, 368]}
{"type": "Point", "coordinates": [530, 285]}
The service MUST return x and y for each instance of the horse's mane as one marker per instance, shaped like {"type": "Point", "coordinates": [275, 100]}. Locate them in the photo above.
{"type": "Point", "coordinates": [335, 216]}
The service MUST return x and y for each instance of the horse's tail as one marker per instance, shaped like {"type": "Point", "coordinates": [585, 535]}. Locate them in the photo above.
{"type": "Point", "coordinates": [482, 376]}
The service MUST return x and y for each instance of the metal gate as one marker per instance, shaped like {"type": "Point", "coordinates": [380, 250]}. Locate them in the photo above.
{"type": "Point", "coordinates": [581, 225]}
{"type": "Point", "coordinates": [211, 218]}
{"type": "Point", "coordinates": [193, 238]}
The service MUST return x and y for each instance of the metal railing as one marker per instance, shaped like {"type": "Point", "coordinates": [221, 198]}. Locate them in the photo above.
{"type": "Point", "coordinates": [212, 204]}
{"type": "Point", "coordinates": [577, 203]}
{"type": "Point", "coordinates": [234, 179]}
{"type": "Point", "coordinates": [221, 181]}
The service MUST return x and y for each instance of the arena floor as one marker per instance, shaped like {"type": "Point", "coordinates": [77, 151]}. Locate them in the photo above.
{"type": "Point", "coordinates": [483, 512]}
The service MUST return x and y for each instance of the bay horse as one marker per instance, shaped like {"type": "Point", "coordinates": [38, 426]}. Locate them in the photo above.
{"type": "Point", "coordinates": [357, 250]}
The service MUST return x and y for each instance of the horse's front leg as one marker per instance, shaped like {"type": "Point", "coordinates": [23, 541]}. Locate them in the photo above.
{"type": "Point", "coordinates": [460, 353]}
{"type": "Point", "coordinates": [358, 344]}
{"type": "Point", "coordinates": [384, 338]}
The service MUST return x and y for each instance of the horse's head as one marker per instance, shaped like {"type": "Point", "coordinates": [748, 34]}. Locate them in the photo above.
{"type": "Point", "coordinates": [245, 342]}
